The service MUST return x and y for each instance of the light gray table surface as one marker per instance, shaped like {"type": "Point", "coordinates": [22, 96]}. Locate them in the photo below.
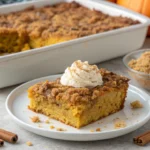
{"type": "Point", "coordinates": [42, 143]}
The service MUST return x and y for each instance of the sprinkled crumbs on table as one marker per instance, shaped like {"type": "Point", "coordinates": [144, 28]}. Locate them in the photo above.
{"type": "Point", "coordinates": [29, 143]}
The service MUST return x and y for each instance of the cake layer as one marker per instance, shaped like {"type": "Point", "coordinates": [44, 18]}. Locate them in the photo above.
{"type": "Point", "coordinates": [39, 42]}
{"type": "Point", "coordinates": [54, 24]}
{"type": "Point", "coordinates": [12, 40]}
{"type": "Point", "coordinates": [79, 106]}
{"type": "Point", "coordinates": [105, 105]}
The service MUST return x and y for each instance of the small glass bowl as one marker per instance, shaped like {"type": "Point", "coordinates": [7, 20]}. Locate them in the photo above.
{"type": "Point", "coordinates": [141, 78]}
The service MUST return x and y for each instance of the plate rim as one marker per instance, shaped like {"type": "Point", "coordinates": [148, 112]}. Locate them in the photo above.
{"type": "Point", "coordinates": [26, 125]}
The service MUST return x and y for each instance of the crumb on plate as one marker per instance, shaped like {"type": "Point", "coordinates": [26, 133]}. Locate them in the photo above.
{"type": "Point", "coordinates": [119, 124]}
{"type": "Point", "coordinates": [136, 104]}
{"type": "Point", "coordinates": [47, 121]}
{"type": "Point", "coordinates": [98, 129]}
{"type": "Point", "coordinates": [60, 129]}
{"type": "Point", "coordinates": [52, 127]}
{"type": "Point", "coordinates": [91, 130]}
{"type": "Point", "coordinates": [35, 119]}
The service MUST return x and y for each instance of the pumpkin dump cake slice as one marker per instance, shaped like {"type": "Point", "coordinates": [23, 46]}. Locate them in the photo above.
{"type": "Point", "coordinates": [83, 95]}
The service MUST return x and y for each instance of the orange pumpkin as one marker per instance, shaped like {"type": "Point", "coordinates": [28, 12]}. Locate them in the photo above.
{"type": "Point", "coordinates": [141, 6]}
{"type": "Point", "coordinates": [113, 1]}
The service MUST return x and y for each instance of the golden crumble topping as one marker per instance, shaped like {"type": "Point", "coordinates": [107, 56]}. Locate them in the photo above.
{"type": "Point", "coordinates": [49, 24]}
{"type": "Point", "coordinates": [52, 19]}
{"type": "Point", "coordinates": [136, 104]}
{"type": "Point", "coordinates": [142, 63]}
{"type": "Point", "coordinates": [57, 92]}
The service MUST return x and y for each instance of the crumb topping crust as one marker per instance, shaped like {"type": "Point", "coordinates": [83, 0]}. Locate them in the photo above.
{"type": "Point", "coordinates": [51, 20]}
{"type": "Point", "coordinates": [56, 92]}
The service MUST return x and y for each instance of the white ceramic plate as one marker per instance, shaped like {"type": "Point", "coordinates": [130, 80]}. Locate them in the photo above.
{"type": "Point", "coordinates": [18, 101]}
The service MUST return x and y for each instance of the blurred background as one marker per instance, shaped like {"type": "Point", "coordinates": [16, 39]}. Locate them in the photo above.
{"type": "Point", "coordinates": [11, 1]}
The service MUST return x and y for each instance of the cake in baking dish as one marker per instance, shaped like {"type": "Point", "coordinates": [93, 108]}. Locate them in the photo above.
{"type": "Point", "coordinates": [36, 27]}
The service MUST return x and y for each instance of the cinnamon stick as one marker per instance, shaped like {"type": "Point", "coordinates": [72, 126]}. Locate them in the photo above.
{"type": "Point", "coordinates": [8, 136]}
{"type": "Point", "coordinates": [142, 139]}
{"type": "Point", "coordinates": [1, 142]}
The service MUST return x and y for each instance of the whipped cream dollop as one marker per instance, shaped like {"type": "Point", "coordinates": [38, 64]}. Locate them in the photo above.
{"type": "Point", "coordinates": [81, 74]}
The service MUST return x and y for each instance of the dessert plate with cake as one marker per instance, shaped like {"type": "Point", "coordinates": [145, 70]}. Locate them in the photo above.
{"type": "Point", "coordinates": [83, 104]}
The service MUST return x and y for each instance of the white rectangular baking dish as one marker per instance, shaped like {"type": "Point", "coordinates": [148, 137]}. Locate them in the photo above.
{"type": "Point", "coordinates": [20, 67]}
